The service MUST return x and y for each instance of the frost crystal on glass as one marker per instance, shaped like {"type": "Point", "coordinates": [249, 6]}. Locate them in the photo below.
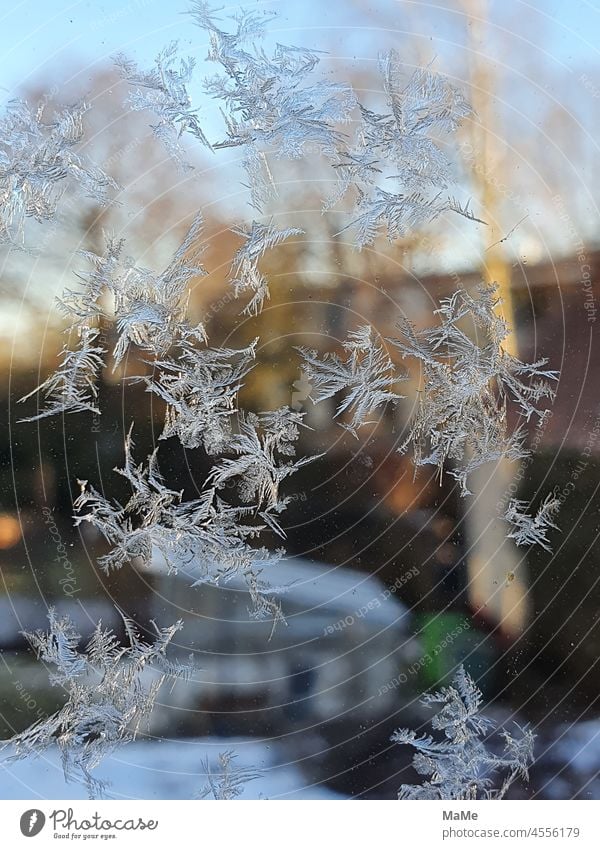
{"type": "Point", "coordinates": [149, 311]}
{"type": "Point", "coordinates": [271, 105]}
{"type": "Point", "coordinates": [397, 146]}
{"type": "Point", "coordinates": [461, 766]}
{"type": "Point", "coordinates": [366, 375]}
{"type": "Point", "coordinates": [83, 307]}
{"type": "Point", "coordinates": [230, 780]}
{"type": "Point", "coordinates": [163, 90]}
{"type": "Point", "coordinates": [528, 529]}
{"type": "Point", "coordinates": [109, 693]}
{"type": "Point", "coordinates": [38, 162]}
{"type": "Point", "coordinates": [466, 384]}
{"type": "Point", "coordinates": [261, 446]}
{"type": "Point", "coordinates": [72, 387]}
{"type": "Point", "coordinates": [150, 306]}
{"type": "Point", "coordinates": [245, 274]}
{"type": "Point", "coordinates": [199, 386]}
{"type": "Point", "coordinates": [206, 536]}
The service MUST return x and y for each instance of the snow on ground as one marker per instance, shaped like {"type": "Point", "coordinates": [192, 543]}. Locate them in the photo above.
{"type": "Point", "coordinates": [163, 769]}
{"type": "Point", "coordinates": [578, 745]}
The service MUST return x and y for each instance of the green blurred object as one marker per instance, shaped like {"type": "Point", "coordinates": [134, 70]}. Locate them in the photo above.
{"type": "Point", "coordinates": [449, 639]}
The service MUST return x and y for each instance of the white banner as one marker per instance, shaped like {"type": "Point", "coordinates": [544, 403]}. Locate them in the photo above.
{"type": "Point", "coordinates": [260, 825]}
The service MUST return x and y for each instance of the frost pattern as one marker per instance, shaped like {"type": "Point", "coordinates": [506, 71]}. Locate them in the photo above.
{"type": "Point", "coordinates": [367, 375]}
{"type": "Point", "coordinates": [400, 212]}
{"type": "Point", "coordinates": [273, 109]}
{"type": "Point", "coordinates": [206, 537]}
{"type": "Point", "coordinates": [462, 412]}
{"type": "Point", "coordinates": [72, 388]}
{"type": "Point", "coordinates": [245, 274]}
{"type": "Point", "coordinates": [163, 90]}
{"type": "Point", "coordinates": [397, 146]}
{"type": "Point", "coordinates": [229, 782]}
{"type": "Point", "coordinates": [530, 529]}
{"type": "Point", "coordinates": [149, 311]}
{"type": "Point", "coordinates": [38, 162]}
{"type": "Point", "coordinates": [271, 105]}
{"type": "Point", "coordinates": [461, 766]}
{"type": "Point", "coordinates": [150, 307]}
{"type": "Point", "coordinates": [108, 694]}
{"type": "Point", "coordinates": [200, 387]}
{"type": "Point", "coordinates": [261, 447]}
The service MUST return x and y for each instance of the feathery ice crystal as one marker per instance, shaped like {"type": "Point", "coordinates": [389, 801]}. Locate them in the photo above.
{"type": "Point", "coordinates": [163, 90]}
{"type": "Point", "coordinates": [461, 766]}
{"type": "Point", "coordinates": [38, 162]}
{"type": "Point", "coordinates": [527, 529]}
{"type": "Point", "coordinates": [466, 383]}
{"type": "Point", "coordinates": [229, 782]}
{"type": "Point", "coordinates": [274, 108]}
{"type": "Point", "coordinates": [110, 691]}
{"type": "Point", "coordinates": [366, 375]}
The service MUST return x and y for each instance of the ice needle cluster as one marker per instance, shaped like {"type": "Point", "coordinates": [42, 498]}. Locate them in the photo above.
{"type": "Point", "coordinates": [206, 536]}
{"type": "Point", "coordinates": [110, 690]}
{"type": "Point", "coordinates": [163, 90]}
{"type": "Point", "coordinates": [461, 765]}
{"type": "Point", "coordinates": [532, 529]}
{"type": "Point", "coordinates": [365, 377]}
{"type": "Point", "coordinates": [229, 781]}
{"type": "Point", "coordinates": [390, 163]}
{"type": "Point", "coordinates": [398, 147]}
{"type": "Point", "coordinates": [468, 378]}
{"type": "Point", "coordinates": [39, 160]}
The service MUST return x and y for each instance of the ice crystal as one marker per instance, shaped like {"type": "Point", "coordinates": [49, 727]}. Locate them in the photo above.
{"type": "Point", "coordinates": [149, 310]}
{"type": "Point", "coordinates": [72, 388]}
{"type": "Point", "coordinates": [398, 146]}
{"type": "Point", "coordinates": [461, 766]}
{"type": "Point", "coordinates": [163, 90]}
{"type": "Point", "coordinates": [151, 306]}
{"type": "Point", "coordinates": [108, 693]}
{"type": "Point", "coordinates": [400, 212]}
{"type": "Point", "coordinates": [366, 375]}
{"type": "Point", "coordinates": [83, 307]}
{"type": "Point", "coordinates": [245, 274]}
{"type": "Point", "coordinates": [38, 162]}
{"type": "Point", "coordinates": [199, 386]}
{"type": "Point", "coordinates": [272, 106]}
{"type": "Point", "coordinates": [259, 467]}
{"type": "Point", "coordinates": [462, 410]}
{"type": "Point", "coordinates": [230, 780]}
{"type": "Point", "coordinates": [206, 536]}
{"type": "Point", "coordinates": [528, 529]}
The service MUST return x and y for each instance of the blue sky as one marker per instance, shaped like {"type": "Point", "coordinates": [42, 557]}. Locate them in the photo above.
{"type": "Point", "coordinates": [39, 37]}
{"type": "Point", "coordinates": [49, 41]}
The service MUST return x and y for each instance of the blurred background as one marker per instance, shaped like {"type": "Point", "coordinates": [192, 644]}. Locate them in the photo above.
{"type": "Point", "coordinates": [394, 579]}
